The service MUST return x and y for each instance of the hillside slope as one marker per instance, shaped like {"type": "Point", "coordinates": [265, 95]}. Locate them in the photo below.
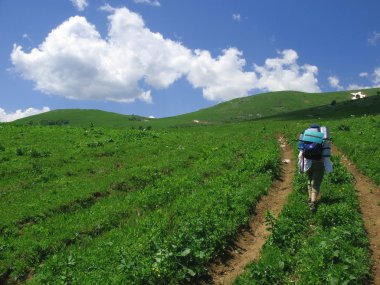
{"type": "Point", "coordinates": [81, 118]}
{"type": "Point", "coordinates": [274, 105]}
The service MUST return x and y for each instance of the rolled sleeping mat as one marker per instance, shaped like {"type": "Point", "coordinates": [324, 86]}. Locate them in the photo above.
{"type": "Point", "coordinates": [326, 142]}
{"type": "Point", "coordinates": [326, 132]}
{"type": "Point", "coordinates": [300, 141]}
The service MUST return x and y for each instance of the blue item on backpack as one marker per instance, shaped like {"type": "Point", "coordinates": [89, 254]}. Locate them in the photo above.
{"type": "Point", "coordinates": [312, 150]}
{"type": "Point", "coordinates": [311, 143]}
{"type": "Point", "coordinates": [313, 136]}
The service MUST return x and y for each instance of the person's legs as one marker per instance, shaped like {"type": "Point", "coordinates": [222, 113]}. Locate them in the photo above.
{"type": "Point", "coordinates": [309, 183]}
{"type": "Point", "coordinates": [315, 175]}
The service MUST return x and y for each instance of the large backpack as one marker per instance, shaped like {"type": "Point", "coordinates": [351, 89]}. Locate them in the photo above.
{"type": "Point", "coordinates": [311, 143]}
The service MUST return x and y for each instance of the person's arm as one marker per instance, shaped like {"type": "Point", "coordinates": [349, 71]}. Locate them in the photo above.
{"type": "Point", "coordinates": [301, 162]}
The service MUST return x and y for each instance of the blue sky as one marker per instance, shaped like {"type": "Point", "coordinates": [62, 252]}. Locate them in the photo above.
{"type": "Point", "coordinates": [167, 57]}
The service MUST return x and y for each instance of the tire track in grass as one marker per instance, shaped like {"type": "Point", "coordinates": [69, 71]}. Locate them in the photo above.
{"type": "Point", "coordinates": [249, 243]}
{"type": "Point", "coordinates": [369, 199]}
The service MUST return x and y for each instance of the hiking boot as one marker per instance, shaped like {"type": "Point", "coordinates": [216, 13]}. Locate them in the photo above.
{"type": "Point", "coordinates": [312, 207]}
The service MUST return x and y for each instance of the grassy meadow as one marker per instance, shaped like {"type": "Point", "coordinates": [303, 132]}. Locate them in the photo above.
{"type": "Point", "coordinates": [92, 197]}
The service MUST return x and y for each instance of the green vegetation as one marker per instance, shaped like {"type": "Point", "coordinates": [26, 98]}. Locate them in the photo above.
{"type": "Point", "coordinates": [285, 105]}
{"type": "Point", "coordinates": [330, 247]}
{"type": "Point", "coordinates": [93, 197]}
{"type": "Point", "coordinates": [83, 118]}
{"type": "Point", "coordinates": [359, 139]}
{"type": "Point", "coordinates": [157, 194]}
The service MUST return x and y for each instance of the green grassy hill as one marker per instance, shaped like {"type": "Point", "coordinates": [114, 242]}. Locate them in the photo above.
{"type": "Point", "coordinates": [113, 205]}
{"type": "Point", "coordinates": [274, 105]}
{"type": "Point", "coordinates": [334, 111]}
{"type": "Point", "coordinates": [285, 103]}
{"type": "Point", "coordinates": [82, 118]}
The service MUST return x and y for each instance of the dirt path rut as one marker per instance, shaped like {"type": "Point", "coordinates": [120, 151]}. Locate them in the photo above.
{"type": "Point", "coordinates": [369, 198]}
{"type": "Point", "coordinates": [247, 247]}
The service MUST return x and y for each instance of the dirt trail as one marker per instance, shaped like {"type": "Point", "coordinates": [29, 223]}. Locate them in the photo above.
{"type": "Point", "coordinates": [247, 247]}
{"type": "Point", "coordinates": [369, 198]}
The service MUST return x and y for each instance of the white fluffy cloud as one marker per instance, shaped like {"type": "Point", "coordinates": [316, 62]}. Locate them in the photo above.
{"type": "Point", "coordinates": [80, 4]}
{"type": "Point", "coordinates": [75, 62]}
{"type": "Point", "coordinates": [334, 82]}
{"type": "Point", "coordinates": [9, 117]}
{"type": "Point", "coordinates": [222, 78]}
{"type": "Point", "coordinates": [284, 73]}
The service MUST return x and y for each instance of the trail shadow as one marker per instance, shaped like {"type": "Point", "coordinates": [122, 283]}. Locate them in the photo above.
{"type": "Point", "coordinates": [331, 200]}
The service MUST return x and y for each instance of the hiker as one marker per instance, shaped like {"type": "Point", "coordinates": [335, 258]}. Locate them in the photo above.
{"type": "Point", "coordinates": [314, 159]}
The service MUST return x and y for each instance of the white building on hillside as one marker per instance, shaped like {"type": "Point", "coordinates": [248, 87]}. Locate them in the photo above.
{"type": "Point", "coordinates": [358, 95]}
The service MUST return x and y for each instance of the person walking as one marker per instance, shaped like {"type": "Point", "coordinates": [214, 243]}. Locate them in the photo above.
{"type": "Point", "coordinates": [314, 159]}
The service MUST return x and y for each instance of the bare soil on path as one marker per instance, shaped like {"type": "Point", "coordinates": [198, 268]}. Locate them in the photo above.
{"type": "Point", "coordinates": [249, 243]}
{"type": "Point", "coordinates": [369, 198]}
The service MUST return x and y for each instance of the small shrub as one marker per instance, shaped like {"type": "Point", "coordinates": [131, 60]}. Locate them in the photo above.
{"type": "Point", "coordinates": [121, 186]}
{"type": "Point", "coordinates": [329, 216]}
{"type": "Point", "coordinates": [340, 175]}
{"type": "Point", "coordinates": [36, 153]}
{"type": "Point", "coordinates": [4, 159]}
{"type": "Point", "coordinates": [343, 127]}
{"type": "Point", "coordinates": [20, 151]}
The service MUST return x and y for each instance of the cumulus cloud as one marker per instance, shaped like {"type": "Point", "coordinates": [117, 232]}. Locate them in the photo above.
{"type": "Point", "coordinates": [75, 62]}
{"type": "Point", "coordinates": [149, 2]}
{"type": "Point", "coordinates": [222, 78]}
{"type": "Point", "coordinates": [80, 5]}
{"type": "Point", "coordinates": [9, 117]}
{"type": "Point", "coordinates": [283, 73]}
{"type": "Point", "coordinates": [374, 38]}
{"type": "Point", "coordinates": [146, 97]}
{"type": "Point", "coordinates": [334, 82]}
{"type": "Point", "coordinates": [363, 74]}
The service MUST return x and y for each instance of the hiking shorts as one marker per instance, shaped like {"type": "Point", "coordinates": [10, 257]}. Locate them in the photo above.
{"type": "Point", "coordinates": [315, 176]}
